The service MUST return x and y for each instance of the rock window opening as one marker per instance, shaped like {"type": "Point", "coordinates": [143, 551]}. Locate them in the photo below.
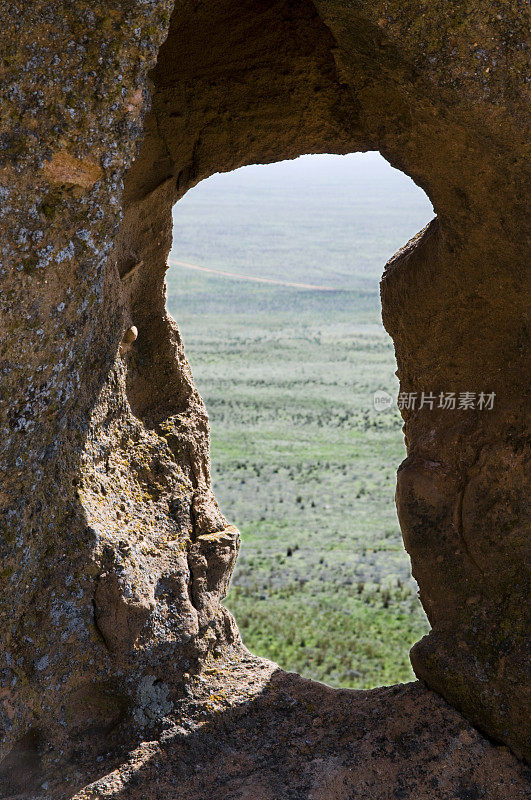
{"type": "Point", "coordinates": [273, 281]}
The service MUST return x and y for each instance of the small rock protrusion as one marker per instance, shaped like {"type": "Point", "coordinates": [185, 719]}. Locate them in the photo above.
{"type": "Point", "coordinates": [128, 338]}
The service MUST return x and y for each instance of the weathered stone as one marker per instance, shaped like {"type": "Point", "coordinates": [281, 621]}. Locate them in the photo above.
{"type": "Point", "coordinates": [114, 554]}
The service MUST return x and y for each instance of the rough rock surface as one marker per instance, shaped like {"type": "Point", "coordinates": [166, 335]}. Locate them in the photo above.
{"type": "Point", "coordinates": [114, 554]}
{"type": "Point", "coordinates": [245, 730]}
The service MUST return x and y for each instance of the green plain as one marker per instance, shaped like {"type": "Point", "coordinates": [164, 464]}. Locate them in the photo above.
{"type": "Point", "coordinates": [302, 463]}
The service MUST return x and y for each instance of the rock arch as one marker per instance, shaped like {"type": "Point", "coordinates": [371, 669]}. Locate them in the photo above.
{"type": "Point", "coordinates": [115, 556]}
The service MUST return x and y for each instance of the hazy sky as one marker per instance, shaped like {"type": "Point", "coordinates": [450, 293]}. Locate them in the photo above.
{"type": "Point", "coordinates": [314, 170]}
{"type": "Point", "coordinates": [320, 215]}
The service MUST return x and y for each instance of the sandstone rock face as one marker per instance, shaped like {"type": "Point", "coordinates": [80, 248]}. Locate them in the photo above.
{"type": "Point", "coordinates": [115, 557]}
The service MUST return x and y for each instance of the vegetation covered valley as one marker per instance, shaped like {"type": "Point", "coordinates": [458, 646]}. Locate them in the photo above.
{"type": "Point", "coordinates": [302, 462]}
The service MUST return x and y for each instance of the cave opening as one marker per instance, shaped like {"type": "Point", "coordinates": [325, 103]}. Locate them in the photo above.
{"type": "Point", "coordinates": [117, 558]}
{"type": "Point", "coordinates": [262, 82]}
{"type": "Point", "coordinates": [273, 280]}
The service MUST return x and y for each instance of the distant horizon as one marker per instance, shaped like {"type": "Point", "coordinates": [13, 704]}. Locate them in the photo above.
{"type": "Point", "coordinates": [317, 219]}
{"type": "Point", "coordinates": [317, 168]}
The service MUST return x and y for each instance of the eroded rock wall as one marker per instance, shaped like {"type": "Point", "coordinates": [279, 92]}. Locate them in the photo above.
{"type": "Point", "coordinates": [115, 556]}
